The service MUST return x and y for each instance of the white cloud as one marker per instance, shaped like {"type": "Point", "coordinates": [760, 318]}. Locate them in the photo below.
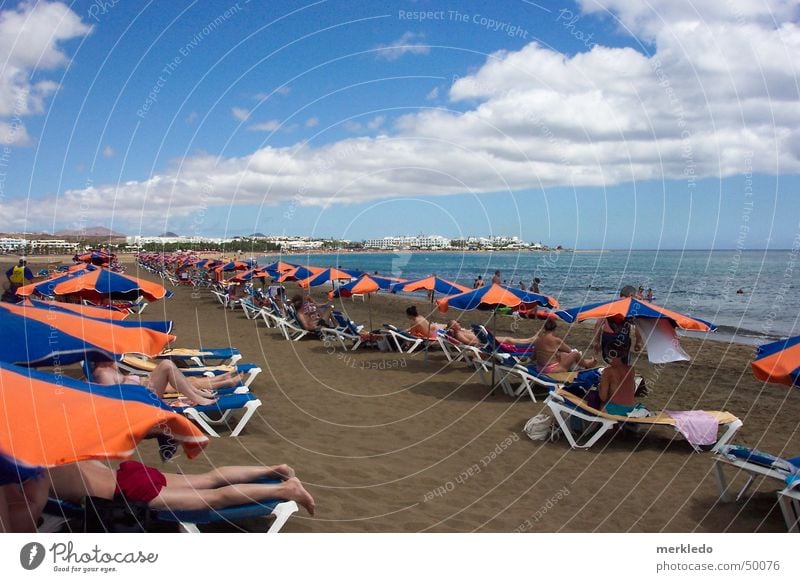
{"type": "Point", "coordinates": [717, 97]}
{"type": "Point", "coordinates": [240, 113]}
{"type": "Point", "coordinates": [371, 125]}
{"type": "Point", "coordinates": [433, 94]}
{"type": "Point", "coordinates": [271, 125]}
{"type": "Point", "coordinates": [192, 118]}
{"type": "Point", "coordinates": [409, 43]}
{"type": "Point", "coordinates": [30, 39]}
{"type": "Point", "coordinates": [312, 122]}
{"type": "Point", "coordinates": [108, 152]}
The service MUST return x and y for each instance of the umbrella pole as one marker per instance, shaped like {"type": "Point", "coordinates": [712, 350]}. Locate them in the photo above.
{"type": "Point", "coordinates": [369, 308]}
{"type": "Point", "coordinates": [494, 346]}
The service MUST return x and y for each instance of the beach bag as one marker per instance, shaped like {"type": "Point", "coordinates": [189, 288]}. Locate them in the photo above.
{"type": "Point", "coordinates": [542, 427]}
{"type": "Point", "coordinates": [118, 515]}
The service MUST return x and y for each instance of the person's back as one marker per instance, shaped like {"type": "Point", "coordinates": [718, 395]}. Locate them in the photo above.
{"type": "Point", "coordinates": [545, 349]}
{"type": "Point", "coordinates": [618, 388]}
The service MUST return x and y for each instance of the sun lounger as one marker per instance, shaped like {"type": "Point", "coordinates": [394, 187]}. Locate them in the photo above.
{"type": "Point", "coordinates": [203, 356]}
{"type": "Point", "coordinates": [347, 332]}
{"type": "Point", "coordinates": [565, 406]}
{"type": "Point", "coordinates": [753, 462]}
{"type": "Point", "coordinates": [789, 502]}
{"type": "Point", "coordinates": [251, 310]}
{"type": "Point", "coordinates": [291, 327]}
{"type": "Point", "coordinates": [58, 512]}
{"type": "Point", "coordinates": [518, 379]}
{"type": "Point", "coordinates": [404, 341]}
{"type": "Point", "coordinates": [220, 412]}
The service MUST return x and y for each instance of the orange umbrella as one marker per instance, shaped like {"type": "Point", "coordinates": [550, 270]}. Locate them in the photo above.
{"type": "Point", "coordinates": [101, 283]}
{"type": "Point", "coordinates": [80, 309]}
{"type": "Point", "coordinates": [435, 284]}
{"type": "Point", "coordinates": [365, 285]}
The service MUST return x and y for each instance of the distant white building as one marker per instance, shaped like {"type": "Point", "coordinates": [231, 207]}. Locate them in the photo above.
{"type": "Point", "coordinates": [12, 244]}
{"type": "Point", "coordinates": [408, 242]}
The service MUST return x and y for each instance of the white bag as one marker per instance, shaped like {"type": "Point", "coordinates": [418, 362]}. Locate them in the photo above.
{"type": "Point", "coordinates": [541, 427]}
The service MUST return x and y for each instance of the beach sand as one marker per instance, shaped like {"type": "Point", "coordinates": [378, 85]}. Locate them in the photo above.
{"type": "Point", "coordinates": [388, 442]}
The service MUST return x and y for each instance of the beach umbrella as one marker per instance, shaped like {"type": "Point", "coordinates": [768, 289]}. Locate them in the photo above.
{"type": "Point", "coordinates": [298, 273]}
{"type": "Point", "coordinates": [280, 267]}
{"type": "Point", "coordinates": [779, 362]}
{"type": "Point", "coordinates": [364, 285]}
{"type": "Point", "coordinates": [50, 420]}
{"type": "Point", "coordinates": [47, 287]}
{"type": "Point", "coordinates": [79, 308]}
{"type": "Point", "coordinates": [233, 266]}
{"type": "Point", "coordinates": [628, 307]}
{"type": "Point", "coordinates": [95, 257]}
{"type": "Point", "coordinates": [494, 296]}
{"type": "Point", "coordinates": [326, 276]}
{"type": "Point", "coordinates": [249, 274]}
{"type": "Point", "coordinates": [435, 284]}
{"type": "Point", "coordinates": [99, 284]}
{"type": "Point", "coordinates": [51, 337]}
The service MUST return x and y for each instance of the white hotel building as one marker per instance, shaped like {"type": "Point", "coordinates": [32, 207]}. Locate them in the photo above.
{"type": "Point", "coordinates": [408, 242]}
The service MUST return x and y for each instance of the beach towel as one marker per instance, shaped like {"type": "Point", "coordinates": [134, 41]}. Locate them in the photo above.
{"type": "Point", "coordinates": [697, 426]}
{"type": "Point", "coordinates": [661, 341]}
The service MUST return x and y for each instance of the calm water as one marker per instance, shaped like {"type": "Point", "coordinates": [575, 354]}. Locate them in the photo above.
{"type": "Point", "coordinates": [700, 283]}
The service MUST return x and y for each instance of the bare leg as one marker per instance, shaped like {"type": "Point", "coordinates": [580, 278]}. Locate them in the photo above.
{"type": "Point", "coordinates": [183, 498]}
{"type": "Point", "coordinates": [24, 505]}
{"type": "Point", "coordinates": [569, 360]}
{"type": "Point", "coordinates": [228, 476]}
{"type": "Point", "coordinates": [167, 374]}
{"type": "Point", "coordinates": [206, 384]}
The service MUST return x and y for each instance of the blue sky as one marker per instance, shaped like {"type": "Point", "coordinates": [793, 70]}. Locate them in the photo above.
{"type": "Point", "coordinates": [597, 124]}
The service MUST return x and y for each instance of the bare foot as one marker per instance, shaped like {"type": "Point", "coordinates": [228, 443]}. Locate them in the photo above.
{"type": "Point", "coordinates": [296, 492]}
{"type": "Point", "coordinates": [204, 401]}
{"type": "Point", "coordinates": [283, 470]}
{"type": "Point", "coordinates": [590, 363]}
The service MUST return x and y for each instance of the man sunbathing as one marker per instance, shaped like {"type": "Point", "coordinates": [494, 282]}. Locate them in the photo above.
{"type": "Point", "coordinates": [217, 489]}
{"type": "Point", "coordinates": [554, 355]}
{"type": "Point", "coordinates": [167, 377]}
{"type": "Point", "coordinates": [618, 388]}
{"type": "Point", "coordinates": [468, 337]}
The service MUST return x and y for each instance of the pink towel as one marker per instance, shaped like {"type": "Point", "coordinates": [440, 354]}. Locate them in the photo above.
{"type": "Point", "coordinates": [699, 428]}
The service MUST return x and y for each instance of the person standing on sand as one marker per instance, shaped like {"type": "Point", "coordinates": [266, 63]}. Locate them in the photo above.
{"type": "Point", "coordinates": [19, 275]}
{"type": "Point", "coordinates": [612, 335]}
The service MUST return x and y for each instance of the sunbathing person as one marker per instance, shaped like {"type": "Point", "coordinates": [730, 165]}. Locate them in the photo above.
{"type": "Point", "coordinates": [420, 327]}
{"type": "Point", "coordinates": [312, 316]}
{"type": "Point", "coordinates": [554, 355]}
{"type": "Point", "coordinates": [618, 388]}
{"type": "Point", "coordinates": [167, 377]}
{"type": "Point", "coordinates": [468, 337]}
{"type": "Point", "coordinates": [217, 489]}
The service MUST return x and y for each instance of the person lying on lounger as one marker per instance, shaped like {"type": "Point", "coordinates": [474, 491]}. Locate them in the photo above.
{"type": "Point", "coordinates": [311, 315]}
{"type": "Point", "coordinates": [167, 377]}
{"type": "Point", "coordinates": [468, 337]}
{"type": "Point", "coordinates": [554, 355]}
{"type": "Point", "coordinates": [220, 488]}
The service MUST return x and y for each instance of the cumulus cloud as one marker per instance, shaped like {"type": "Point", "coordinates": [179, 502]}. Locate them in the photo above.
{"type": "Point", "coordinates": [410, 43]}
{"type": "Point", "coordinates": [240, 113]}
{"type": "Point", "coordinates": [31, 36]}
{"type": "Point", "coordinates": [271, 125]}
{"type": "Point", "coordinates": [714, 96]}
{"type": "Point", "coordinates": [312, 122]}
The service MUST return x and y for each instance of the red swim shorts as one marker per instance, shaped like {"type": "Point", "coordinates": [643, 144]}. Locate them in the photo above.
{"type": "Point", "coordinates": [139, 482]}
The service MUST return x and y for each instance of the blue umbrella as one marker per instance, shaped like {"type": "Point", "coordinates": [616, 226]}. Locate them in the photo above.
{"type": "Point", "coordinates": [494, 296]}
{"type": "Point", "coordinates": [159, 326]}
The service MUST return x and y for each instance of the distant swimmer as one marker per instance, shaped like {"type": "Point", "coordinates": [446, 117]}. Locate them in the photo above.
{"type": "Point", "coordinates": [649, 296]}
{"type": "Point", "coordinates": [740, 292]}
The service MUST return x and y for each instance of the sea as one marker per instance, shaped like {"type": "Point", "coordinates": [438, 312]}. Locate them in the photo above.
{"type": "Point", "coordinates": [752, 296]}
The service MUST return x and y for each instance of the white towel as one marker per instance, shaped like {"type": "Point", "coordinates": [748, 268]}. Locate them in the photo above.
{"type": "Point", "coordinates": [661, 340]}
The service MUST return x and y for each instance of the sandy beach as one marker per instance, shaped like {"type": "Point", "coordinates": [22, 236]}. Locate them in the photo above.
{"type": "Point", "coordinates": [388, 442]}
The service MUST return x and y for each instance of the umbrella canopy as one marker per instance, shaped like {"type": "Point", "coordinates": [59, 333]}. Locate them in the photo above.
{"type": "Point", "coordinates": [494, 296]}
{"type": "Point", "coordinates": [436, 284]}
{"type": "Point", "coordinates": [95, 257]}
{"type": "Point", "coordinates": [79, 308]}
{"type": "Point", "coordinates": [631, 307]}
{"type": "Point", "coordinates": [50, 337]}
{"type": "Point", "coordinates": [363, 285]}
{"type": "Point", "coordinates": [47, 287]}
{"type": "Point", "coordinates": [325, 276]}
{"type": "Point", "coordinates": [280, 267]}
{"type": "Point", "coordinates": [233, 266]}
{"type": "Point", "coordinates": [52, 420]}
{"type": "Point", "coordinates": [249, 274]}
{"type": "Point", "coordinates": [779, 362]}
{"type": "Point", "coordinates": [207, 263]}
{"type": "Point", "coordinates": [102, 283]}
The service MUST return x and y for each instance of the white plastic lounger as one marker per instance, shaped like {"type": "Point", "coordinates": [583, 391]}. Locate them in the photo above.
{"type": "Point", "coordinates": [753, 462]}
{"type": "Point", "coordinates": [565, 406]}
